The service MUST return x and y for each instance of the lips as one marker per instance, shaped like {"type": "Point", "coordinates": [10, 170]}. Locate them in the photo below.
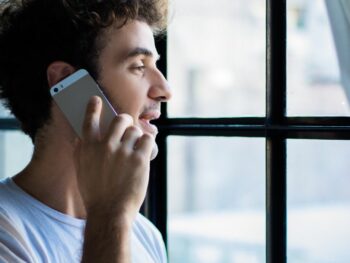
{"type": "Point", "coordinates": [145, 119]}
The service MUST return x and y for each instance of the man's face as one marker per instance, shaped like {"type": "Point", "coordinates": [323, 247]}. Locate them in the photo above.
{"type": "Point", "coordinates": [129, 75]}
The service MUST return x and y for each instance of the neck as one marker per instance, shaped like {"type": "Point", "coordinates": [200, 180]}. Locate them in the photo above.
{"type": "Point", "coordinates": [50, 176]}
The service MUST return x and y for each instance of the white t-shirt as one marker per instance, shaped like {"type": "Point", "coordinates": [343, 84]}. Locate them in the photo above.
{"type": "Point", "coordinates": [30, 231]}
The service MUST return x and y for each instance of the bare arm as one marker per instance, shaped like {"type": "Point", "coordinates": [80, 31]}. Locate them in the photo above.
{"type": "Point", "coordinates": [107, 239]}
{"type": "Point", "coordinates": [112, 175]}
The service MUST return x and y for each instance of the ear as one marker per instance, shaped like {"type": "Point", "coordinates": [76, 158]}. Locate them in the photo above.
{"type": "Point", "coordinates": [57, 71]}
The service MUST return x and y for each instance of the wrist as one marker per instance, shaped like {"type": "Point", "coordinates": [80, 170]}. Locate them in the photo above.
{"type": "Point", "coordinates": [107, 236]}
{"type": "Point", "coordinates": [102, 215]}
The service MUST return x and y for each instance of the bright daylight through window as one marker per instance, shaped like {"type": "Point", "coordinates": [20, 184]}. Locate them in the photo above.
{"type": "Point", "coordinates": [216, 186]}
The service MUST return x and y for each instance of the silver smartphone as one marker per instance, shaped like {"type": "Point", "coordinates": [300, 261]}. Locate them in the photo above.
{"type": "Point", "coordinates": [72, 95]}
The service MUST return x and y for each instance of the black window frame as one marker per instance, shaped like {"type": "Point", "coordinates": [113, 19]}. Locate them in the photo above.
{"type": "Point", "coordinates": [276, 127]}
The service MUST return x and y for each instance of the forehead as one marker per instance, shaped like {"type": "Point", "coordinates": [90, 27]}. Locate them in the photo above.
{"type": "Point", "coordinates": [121, 41]}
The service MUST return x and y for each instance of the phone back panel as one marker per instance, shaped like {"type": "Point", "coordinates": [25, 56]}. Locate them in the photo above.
{"type": "Point", "coordinates": [72, 96]}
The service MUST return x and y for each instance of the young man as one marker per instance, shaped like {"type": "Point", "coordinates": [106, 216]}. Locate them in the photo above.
{"type": "Point", "coordinates": [78, 199]}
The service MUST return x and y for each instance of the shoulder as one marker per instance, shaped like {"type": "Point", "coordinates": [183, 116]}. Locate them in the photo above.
{"type": "Point", "coordinates": [147, 229]}
{"type": "Point", "coordinates": [4, 183]}
{"type": "Point", "coordinates": [144, 223]}
{"type": "Point", "coordinates": [13, 247]}
{"type": "Point", "coordinates": [7, 196]}
{"type": "Point", "coordinates": [11, 202]}
{"type": "Point", "coordinates": [8, 215]}
{"type": "Point", "coordinates": [150, 237]}
{"type": "Point", "coordinates": [12, 210]}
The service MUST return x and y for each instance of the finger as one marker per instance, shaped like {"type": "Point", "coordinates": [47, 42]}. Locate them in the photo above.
{"type": "Point", "coordinates": [91, 128]}
{"type": "Point", "coordinates": [131, 136]}
{"type": "Point", "coordinates": [117, 128]}
{"type": "Point", "coordinates": [145, 144]}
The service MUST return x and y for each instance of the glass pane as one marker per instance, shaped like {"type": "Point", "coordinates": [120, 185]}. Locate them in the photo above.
{"type": "Point", "coordinates": [15, 152]}
{"type": "Point", "coordinates": [216, 200]}
{"type": "Point", "coordinates": [313, 82]}
{"type": "Point", "coordinates": [318, 201]}
{"type": "Point", "coordinates": [216, 58]}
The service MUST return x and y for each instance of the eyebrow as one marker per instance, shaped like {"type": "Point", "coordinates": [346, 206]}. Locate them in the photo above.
{"type": "Point", "coordinates": [141, 51]}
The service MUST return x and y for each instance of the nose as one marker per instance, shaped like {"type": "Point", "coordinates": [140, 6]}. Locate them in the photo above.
{"type": "Point", "coordinates": [160, 89]}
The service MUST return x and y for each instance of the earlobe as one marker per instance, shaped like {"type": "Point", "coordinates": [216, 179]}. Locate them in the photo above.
{"type": "Point", "coordinates": [57, 71]}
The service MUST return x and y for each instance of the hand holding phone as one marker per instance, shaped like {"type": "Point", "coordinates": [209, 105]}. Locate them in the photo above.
{"type": "Point", "coordinates": [108, 167]}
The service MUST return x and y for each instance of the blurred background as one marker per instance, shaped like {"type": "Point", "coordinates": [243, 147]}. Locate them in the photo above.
{"type": "Point", "coordinates": [216, 186]}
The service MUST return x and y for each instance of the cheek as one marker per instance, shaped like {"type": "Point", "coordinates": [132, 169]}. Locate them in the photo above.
{"type": "Point", "coordinates": [127, 95]}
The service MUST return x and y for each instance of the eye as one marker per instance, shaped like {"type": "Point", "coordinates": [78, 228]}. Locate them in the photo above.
{"type": "Point", "coordinates": [141, 68]}
{"type": "Point", "coordinates": [138, 68]}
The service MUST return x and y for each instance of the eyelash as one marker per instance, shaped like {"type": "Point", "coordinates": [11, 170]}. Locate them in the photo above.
{"type": "Point", "coordinates": [140, 67]}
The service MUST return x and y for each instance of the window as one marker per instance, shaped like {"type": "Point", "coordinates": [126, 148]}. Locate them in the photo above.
{"type": "Point", "coordinates": [238, 179]}
{"type": "Point", "coordinates": [15, 148]}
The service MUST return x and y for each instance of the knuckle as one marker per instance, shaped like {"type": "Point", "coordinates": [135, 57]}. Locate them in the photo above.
{"type": "Point", "coordinates": [109, 146]}
{"type": "Point", "coordinates": [139, 159]}
{"type": "Point", "coordinates": [121, 120]}
{"type": "Point", "coordinates": [134, 130]}
{"type": "Point", "coordinates": [88, 123]}
{"type": "Point", "coordinates": [115, 121]}
{"type": "Point", "coordinates": [122, 151]}
{"type": "Point", "coordinates": [138, 130]}
{"type": "Point", "coordinates": [147, 137]}
{"type": "Point", "coordinates": [124, 118]}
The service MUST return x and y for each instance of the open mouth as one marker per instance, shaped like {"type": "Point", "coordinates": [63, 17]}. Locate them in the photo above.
{"type": "Point", "coordinates": [145, 122]}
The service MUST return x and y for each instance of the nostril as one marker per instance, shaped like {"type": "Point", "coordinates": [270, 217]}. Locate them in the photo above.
{"type": "Point", "coordinates": [162, 98]}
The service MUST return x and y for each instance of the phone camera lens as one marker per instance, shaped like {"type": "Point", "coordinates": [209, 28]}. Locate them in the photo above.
{"type": "Point", "coordinates": [55, 89]}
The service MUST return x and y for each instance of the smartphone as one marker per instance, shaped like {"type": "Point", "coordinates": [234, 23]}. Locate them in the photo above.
{"type": "Point", "coordinates": [72, 95]}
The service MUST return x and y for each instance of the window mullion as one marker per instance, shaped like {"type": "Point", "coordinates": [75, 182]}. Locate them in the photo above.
{"type": "Point", "coordinates": [276, 210]}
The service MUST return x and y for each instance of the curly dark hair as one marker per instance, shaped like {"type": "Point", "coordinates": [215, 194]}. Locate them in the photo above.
{"type": "Point", "coordinates": [35, 33]}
